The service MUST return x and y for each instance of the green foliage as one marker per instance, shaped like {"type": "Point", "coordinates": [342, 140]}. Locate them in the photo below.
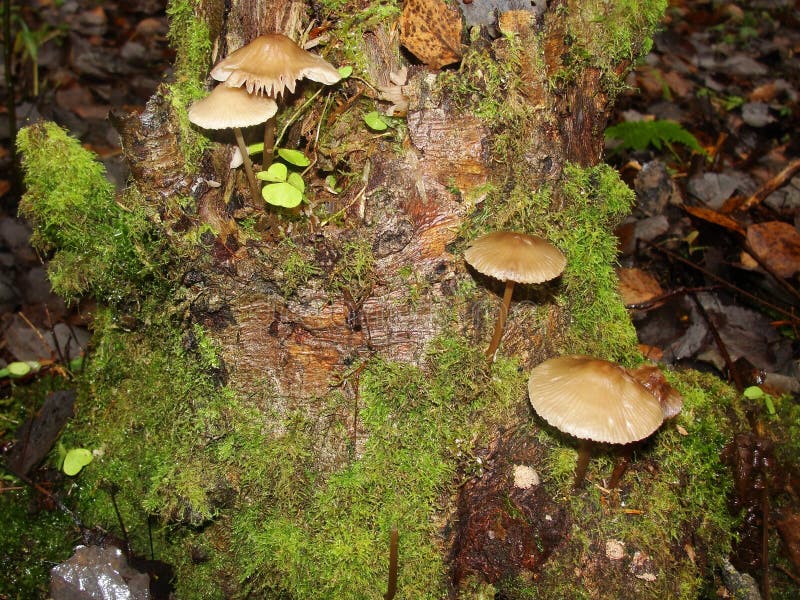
{"type": "Point", "coordinates": [75, 459]}
{"type": "Point", "coordinates": [375, 121]}
{"type": "Point", "coordinates": [100, 247]}
{"type": "Point", "coordinates": [595, 201]}
{"type": "Point", "coordinates": [638, 135]}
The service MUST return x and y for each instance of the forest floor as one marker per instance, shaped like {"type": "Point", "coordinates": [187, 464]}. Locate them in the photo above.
{"type": "Point", "coordinates": [705, 134]}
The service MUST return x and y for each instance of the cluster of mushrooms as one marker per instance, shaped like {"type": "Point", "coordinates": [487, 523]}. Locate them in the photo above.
{"type": "Point", "coordinates": [589, 398]}
{"type": "Point", "coordinates": [252, 80]}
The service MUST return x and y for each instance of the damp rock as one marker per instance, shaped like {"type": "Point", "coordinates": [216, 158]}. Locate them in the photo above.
{"type": "Point", "coordinates": [98, 573]}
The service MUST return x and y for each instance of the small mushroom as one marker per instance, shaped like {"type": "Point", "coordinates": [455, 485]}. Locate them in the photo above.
{"type": "Point", "coordinates": [514, 258]}
{"type": "Point", "coordinates": [269, 65]}
{"type": "Point", "coordinates": [234, 108]}
{"type": "Point", "coordinates": [596, 401]}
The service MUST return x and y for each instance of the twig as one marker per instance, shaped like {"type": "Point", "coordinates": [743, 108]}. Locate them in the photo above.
{"type": "Point", "coordinates": [667, 295]}
{"type": "Point", "coordinates": [772, 185]}
{"type": "Point", "coordinates": [789, 315]}
{"type": "Point", "coordinates": [723, 350]}
{"type": "Point", "coordinates": [391, 590]}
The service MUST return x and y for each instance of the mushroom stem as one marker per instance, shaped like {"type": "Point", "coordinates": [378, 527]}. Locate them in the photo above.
{"type": "Point", "coordinates": [501, 321]}
{"type": "Point", "coordinates": [269, 143]}
{"type": "Point", "coordinates": [621, 465]}
{"type": "Point", "coordinates": [248, 168]}
{"type": "Point", "coordinates": [584, 452]}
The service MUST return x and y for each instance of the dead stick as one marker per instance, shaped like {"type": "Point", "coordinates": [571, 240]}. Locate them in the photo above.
{"type": "Point", "coordinates": [772, 185]}
{"type": "Point", "coordinates": [791, 316]}
{"type": "Point", "coordinates": [391, 590]}
{"type": "Point", "coordinates": [723, 350]}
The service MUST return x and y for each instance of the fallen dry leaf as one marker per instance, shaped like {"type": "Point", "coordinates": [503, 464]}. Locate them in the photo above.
{"type": "Point", "coordinates": [777, 244]}
{"type": "Point", "coordinates": [637, 286]}
{"type": "Point", "coordinates": [431, 31]}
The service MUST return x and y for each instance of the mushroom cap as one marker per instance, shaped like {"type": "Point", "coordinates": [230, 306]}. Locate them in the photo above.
{"type": "Point", "coordinates": [272, 63]}
{"type": "Point", "coordinates": [227, 107]}
{"type": "Point", "coordinates": [518, 257]}
{"type": "Point", "coordinates": [593, 399]}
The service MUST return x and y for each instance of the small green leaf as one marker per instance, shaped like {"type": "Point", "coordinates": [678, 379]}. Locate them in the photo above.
{"type": "Point", "coordinates": [770, 406]}
{"type": "Point", "coordinates": [276, 172]}
{"type": "Point", "coordinates": [345, 71]}
{"type": "Point", "coordinates": [753, 392]}
{"type": "Point", "coordinates": [332, 185]}
{"type": "Point", "coordinates": [375, 121]}
{"type": "Point", "coordinates": [75, 460]}
{"type": "Point", "coordinates": [255, 148]}
{"type": "Point", "coordinates": [297, 181]}
{"type": "Point", "coordinates": [282, 194]}
{"type": "Point", "coordinates": [294, 157]}
{"type": "Point", "coordinates": [18, 369]}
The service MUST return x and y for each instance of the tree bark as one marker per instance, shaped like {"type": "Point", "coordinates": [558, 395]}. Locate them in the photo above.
{"type": "Point", "coordinates": [381, 259]}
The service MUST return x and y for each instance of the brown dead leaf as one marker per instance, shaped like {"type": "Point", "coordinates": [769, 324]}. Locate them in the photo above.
{"type": "Point", "coordinates": [515, 22]}
{"type": "Point", "coordinates": [431, 31]}
{"type": "Point", "coordinates": [777, 244]}
{"type": "Point", "coordinates": [637, 286]}
{"type": "Point", "coordinates": [764, 93]}
{"type": "Point", "coordinates": [681, 86]}
{"type": "Point", "coordinates": [4, 187]}
{"type": "Point", "coordinates": [712, 216]}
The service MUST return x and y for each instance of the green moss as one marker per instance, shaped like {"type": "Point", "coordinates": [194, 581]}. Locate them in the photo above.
{"type": "Point", "coordinates": [190, 36]}
{"type": "Point", "coordinates": [354, 270]}
{"type": "Point", "coordinates": [352, 20]}
{"type": "Point", "coordinates": [595, 199]}
{"type": "Point", "coordinates": [100, 247]}
{"type": "Point", "coordinates": [296, 266]}
{"type": "Point", "coordinates": [488, 86]}
{"type": "Point", "coordinates": [606, 33]}
{"type": "Point", "coordinates": [332, 542]}
{"type": "Point", "coordinates": [31, 542]}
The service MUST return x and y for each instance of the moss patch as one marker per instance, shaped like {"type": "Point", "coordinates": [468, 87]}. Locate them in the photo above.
{"type": "Point", "coordinates": [100, 247]}
{"type": "Point", "coordinates": [191, 38]}
{"type": "Point", "coordinates": [596, 200]}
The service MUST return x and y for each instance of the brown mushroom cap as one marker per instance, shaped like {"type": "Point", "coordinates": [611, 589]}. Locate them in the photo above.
{"type": "Point", "coordinates": [593, 399]}
{"type": "Point", "coordinates": [271, 63]}
{"type": "Point", "coordinates": [518, 257]}
{"type": "Point", "coordinates": [227, 107]}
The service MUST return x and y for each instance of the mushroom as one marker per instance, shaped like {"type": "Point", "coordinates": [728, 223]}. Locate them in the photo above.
{"type": "Point", "coordinates": [594, 400]}
{"type": "Point", "coordinates": [269, 65]}
{"type": "Point", "coordinates": [514, 258]}
{"type": "Point", "coordinates": [234, 108]}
